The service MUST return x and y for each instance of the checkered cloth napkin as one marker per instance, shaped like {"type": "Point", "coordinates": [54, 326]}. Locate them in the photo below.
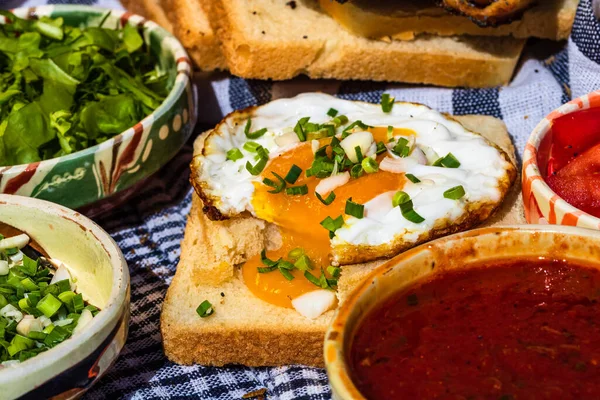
{"type": "Point", "coordinates": [149, 227]}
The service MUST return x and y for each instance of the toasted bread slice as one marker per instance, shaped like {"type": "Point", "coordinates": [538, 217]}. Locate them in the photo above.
{"type": "Point", "coordinates": [244, 329]}
{"type": "Point", "coordinates": [549, 19]}
{"type": "Point", "coordinates": [189, 23]}
{"type": "Point", "coordinates": [269, 39]}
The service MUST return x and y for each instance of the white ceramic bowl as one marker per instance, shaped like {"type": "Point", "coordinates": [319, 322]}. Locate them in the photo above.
{"type": "Point", "coordinates": [70, 368]}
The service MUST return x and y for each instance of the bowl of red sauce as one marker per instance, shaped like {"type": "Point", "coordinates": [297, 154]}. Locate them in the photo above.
{"type": "Point", "coordinates": [561, 166]}
{"type": "Point", "coordinates": [493, 313]}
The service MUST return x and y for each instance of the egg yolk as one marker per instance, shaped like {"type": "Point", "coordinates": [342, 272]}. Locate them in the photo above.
{"type": "Point", "coordinates": [298, 218]}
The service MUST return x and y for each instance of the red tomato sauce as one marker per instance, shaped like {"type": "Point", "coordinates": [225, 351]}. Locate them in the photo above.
{"type": "Point", "coordinates": [572, 149]}
{"type": "Point", "coordinates": [527, 329]}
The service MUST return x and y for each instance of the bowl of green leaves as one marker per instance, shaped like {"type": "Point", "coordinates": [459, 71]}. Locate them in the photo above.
{"type": "Point", "coordinates": [64, 300]}
{"type": "Point", "coordinates": [92, 101]}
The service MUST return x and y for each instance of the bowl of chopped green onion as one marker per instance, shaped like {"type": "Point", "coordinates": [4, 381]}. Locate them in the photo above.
{"type": "Point", "coordinates": [64, 300]}
{"type": "Point", "coordinates": [92, 101]}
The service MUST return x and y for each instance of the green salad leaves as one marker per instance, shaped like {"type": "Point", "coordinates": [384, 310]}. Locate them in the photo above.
{"type": "Point", "coordinates": [64, 88]}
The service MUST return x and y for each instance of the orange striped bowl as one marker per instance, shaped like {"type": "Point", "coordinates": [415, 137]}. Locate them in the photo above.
{"type": "Point", "coordinates": [542, 204]}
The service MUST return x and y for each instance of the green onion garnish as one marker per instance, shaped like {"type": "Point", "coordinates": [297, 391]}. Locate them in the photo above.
{"type": "Point", "coordinates": [312, 279]}
{"type": "Point", "coordinates": [401, 148]}
{"type": "Point", "coordinates": [205, 309]}
{"type": "Point", "coordinates": [387, 102]}
{"type": "Point", "coordinates": [296, 253]}
{"type": "Point", "coordinates": [258, 167]}
{"type": "Point", "coordinates": [331, 224]}
{"type": "Point", "coordinates": [356, 171]}
{"type": "Point", "coordinates": [369, 165]}
{"type": "Point", "coordinates": [264, 270]}
{"type": "Point", "coordinates": [412, 178]}
{"type": "Point", "coordinates": [346, 132]}
{"type": "Point", "coordinates": [285, 265]}
{"type": "Point", "coordinates": [303, 263]}
{"type": "Point", "coordinates": [277, 187]}
{"type": "Point", "coordinates": [299, 128]}
{"type": "Point", "coordinates": [332, 112]}
{"type": "Point", "coordinates": [316, 135]}
{"type": "Point", "coordinates": [286, 273]}
{"type": "Point", "coordinates": [328, 200]}
{"type": "Point", "coordinates": [354, 209]}
{"type": "Point", "coordinates": [265, 260]}
{"type": "Point", "coordinates": [399, 198]}
{"type": "Point", "coordinates": [381, 148]}
{"type": "Point", "coordinates": [49, 305]}
{"type": "Point", "coordinates": [340, 120]}
{"type": "Point", "coordinates": [253, 135]}
{"type": "Point", "coordinates": [251, 147]}
{"type": "Point", "coordinates": [334, 271]}
{"type": "Point", "coordinates": [234, 154]}
{"type": "Point", "coordinates": [359, 154]}
{"type": "Point", "coordinates": [409, 213]}
{"type": "Point", "coordinates": [293, 174]}
{"type": "Point", "coordinates": [297, 190]}
{"type": "Point", "coordinates": [455, 193]}
{"type": "Point", "coordinates": [390, 133]}
{"type": "Point", "coordinates": [449, 161]}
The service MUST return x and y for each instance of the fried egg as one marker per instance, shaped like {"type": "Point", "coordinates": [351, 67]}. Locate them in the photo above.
{"type": "Point", "coordinates": [425, 175]}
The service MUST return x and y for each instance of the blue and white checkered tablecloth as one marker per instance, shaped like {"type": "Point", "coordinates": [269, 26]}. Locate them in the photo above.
{"type": "Point", "coordinates": [150, 225]}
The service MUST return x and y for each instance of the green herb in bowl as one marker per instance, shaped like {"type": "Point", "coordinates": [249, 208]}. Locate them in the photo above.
{"type": "Point", "coordinates": [64, 88]}
{"type": "Point", "coordinates": [39, 307]}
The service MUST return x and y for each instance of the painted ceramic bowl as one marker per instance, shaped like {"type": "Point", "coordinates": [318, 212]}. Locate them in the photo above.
{"type": "Point", "coordinates": [542, 204]}
{"type": "Point", "coordinates": [70, 368]}
{"type": "Point", "coordinates": [93, 174]}
{"type": "Point", "coordinates": [458, 251]}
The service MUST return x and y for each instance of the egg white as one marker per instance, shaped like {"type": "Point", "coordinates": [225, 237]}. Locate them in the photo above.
{"type": "Point", "coordinates": [482, 167]}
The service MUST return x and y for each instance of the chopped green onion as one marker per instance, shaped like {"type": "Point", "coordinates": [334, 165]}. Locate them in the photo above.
{"type": "Point", "coordinates": [285, 265]}
{"type": "Point", "coordinates": [328, 200]}
{"type": "Point", "coordinates": [409, 213]}
{"type": "Point", "coordinates": [299, 128]}
{"type": "Point", "coordinates": [455, 193]}
{"type": "Point", "coordinates": [267, 261]}
{"type": "Point", "coordinates": [78, 303]}
{"type": "Point", "coordinates": [29, 285]}
{"type": "Point", "coordinates": [303, 263]}
{"type": "Point", "coordinates": [449, 161]}
{"type": "Point", "coordinates": [399, 198]}
{"type": "Point", "coordinates": [332, 112]}
{"type": "Point", "coordinates": [360, 124]}
{"type": "Point", "coordinates": [390, 133]}
{"type": "Point", "coordinates": [401, 148]}
{"type": "Point", "coordinates": [293, 174]}
{"type": "Point", "coordinates": [312, 279]}
{"type": "Point", "coordinates": [49, 305]}
{"type": "Point", "coordinates": [340, 120]}
{"type": "Point", "coordinates": [297, 190]}
{"type": "Point", "coordinates": [253, 135]}
{"type": "Point", "coordinates": [66, 297]}
{"type": "Point", "coordinates": [234, 154]}
{"type": "Point", "coordinates": [354, 209]}
{"type": "Point", "coordinates": [264, 270]}
{"type": "Point", "coordinates": [258, 167]}
{"type": "Point", "coordinates": [205, 309]}
{"type": "Point", "coordinates": [316, 135]}
{"type": "Point", "coordinates": [331, 224]}
{"type": "Point", "coordinates": [387, 102]}
{"type": "Point", "coordinates": [286, 274]}
{"type": "Point", "coordinates": [412, 178]}
{"type": "Point", "coordinates": [296, 253]}
{"type": "Point", "coordinates": [356, 171]}
{"type": "Point", "coordinates": [359, 155]}
{"type": "Point", "coordinates": [369, 165]}
{"type": "Point", "coordinates": [250, 146]}
{"type": "Point", "coordinates": [381, 148]}
{"type": "Point", "coordinates": [277, 187]}
{"type": "Point", "coordinates": [334, 271]}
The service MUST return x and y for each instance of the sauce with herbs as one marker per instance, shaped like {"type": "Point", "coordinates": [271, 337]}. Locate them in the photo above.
{"type": "Point", "coordinates": [526, 329]}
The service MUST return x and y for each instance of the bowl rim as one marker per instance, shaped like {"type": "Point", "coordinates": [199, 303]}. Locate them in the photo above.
{"type": "Point", "coordinates": [176, 51]}
{"type": "Point", "coordinates": [531, 171]}
{"type": "Point", "coordinates": [334, 353]}
{"type": "Point", "coordinates": [118, 299]}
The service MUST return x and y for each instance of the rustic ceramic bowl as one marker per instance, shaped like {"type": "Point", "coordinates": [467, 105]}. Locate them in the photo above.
{"type": "Point", "coordinates": [449, 253]}
{"type": "Point", "coordinates": [90, 175]}
{"type": "Point", "coordinates": [70, 368]}
{"type": "Point", "coordinates": [542, 204]}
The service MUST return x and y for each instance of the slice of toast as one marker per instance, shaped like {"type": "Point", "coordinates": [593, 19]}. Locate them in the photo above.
{"type": "Point", "coordinates": [549, 19]}
{"type": "Point", "coordinates": [189, 23]}
{"type": "Point", "coordinates": [269, 39]}
{"type": "Point", "coordinates": [244, 329]}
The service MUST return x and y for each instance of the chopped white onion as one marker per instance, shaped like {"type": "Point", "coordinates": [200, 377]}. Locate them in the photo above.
{"type": "Point", "coordinates": [418, 155]}
{"type": "Point", "coordinates": [29, 324]}
{"type": "Point", "coordinates": [430, 154]}
{"type": "Point", "coordinates": [331, 183]}
{"type": "Point", "coordinates": [287, 139]}
{"type": "Point", "coordinates": [84, 319]}
{"type": "Point", "coordinates": [314, 304]}
{"type": "Point", "coordinates": [63, 322]}
{"type": "Point", "coordinates": [11, 312]}
{"type": "Point", "coordinates": [45, 321]}
{"type": "Point", "coordinates": [314, 144]}
{"type": "Point", "coordinates": [361, 139]}
{"type": "Point", "coordinates": [18, 241]}
{"type": "Point", "coordinates": [4, 267]}
{"type": "Point", "coordinates": [397, 165]}
{"type": "Point", "coordinates": [61, 274]}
